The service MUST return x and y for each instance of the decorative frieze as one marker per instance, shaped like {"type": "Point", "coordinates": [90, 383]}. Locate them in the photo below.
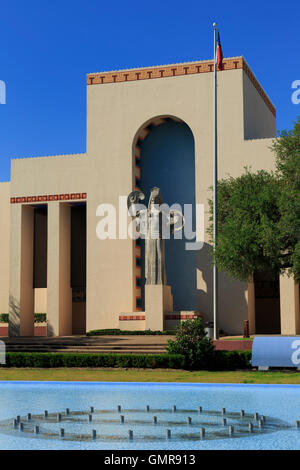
{"type": "Point", "coordinates": [48, 198]}
{"type": "Point", "coordinates": [131, 317]}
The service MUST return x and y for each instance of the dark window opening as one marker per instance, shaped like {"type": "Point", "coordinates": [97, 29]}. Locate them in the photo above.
{"type": "Point", "coordinates": [267, 302]}
{"type": "Point", "coordinates": [40, 248]}
{"type": "Point", "coordinates": [78, 268]}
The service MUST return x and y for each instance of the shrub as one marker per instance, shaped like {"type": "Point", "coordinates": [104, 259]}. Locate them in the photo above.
{"type": "Point", "coordinates": [48, 360]}
{"type": "Point", "coordinates": [219, 360]}
{"type": "Point", "coordinates": [230, 360]}
{"type": "Point", "coordinates": [3, 317]}
{"type": "Point", "coordinates": [40, 317]}
{"type": "Point", "coordinates": [192, 342]}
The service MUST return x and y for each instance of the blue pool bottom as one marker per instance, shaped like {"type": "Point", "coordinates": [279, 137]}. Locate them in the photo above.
{"type": "Point", "coordinates": [276, 402]}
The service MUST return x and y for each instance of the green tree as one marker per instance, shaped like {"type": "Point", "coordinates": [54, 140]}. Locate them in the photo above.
{"type": "Point", "coordinates": [287, 159]}
{"type": "Point", "coordinates": [259, 215]}
{"type": "Point", "coordinates": [192, 342]}
{"type": "Point", "coordinates": [248, 218]}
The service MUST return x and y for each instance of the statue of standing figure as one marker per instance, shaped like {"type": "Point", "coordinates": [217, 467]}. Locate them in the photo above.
{"type": "Point", "coordinates": [153, 224]}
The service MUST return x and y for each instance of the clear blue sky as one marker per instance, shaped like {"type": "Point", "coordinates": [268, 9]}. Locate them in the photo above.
{"type": "Point", "coordinates": [48, 46]}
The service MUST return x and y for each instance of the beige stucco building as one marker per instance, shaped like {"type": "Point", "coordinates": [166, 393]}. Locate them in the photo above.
{"type": "Point", "coordinates": [51, 258]}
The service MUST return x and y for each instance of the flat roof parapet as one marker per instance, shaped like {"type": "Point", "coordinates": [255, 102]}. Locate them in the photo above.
{"type": "Point", "coordinates": [175, 70]}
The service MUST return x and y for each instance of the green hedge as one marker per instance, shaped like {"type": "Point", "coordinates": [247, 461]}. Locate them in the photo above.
{"type": "Point", "coordinates": [19, 359]}
{"type": "Point", "coordinates": [117, 332]}
{"type": "Point", "coordinates": [222, 360]}
{"type": "Point", "coordinates": [231, 360]}
{"type": "Point", "coordinates": [38, 317]}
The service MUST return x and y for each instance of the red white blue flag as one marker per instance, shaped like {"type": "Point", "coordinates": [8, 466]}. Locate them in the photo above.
{"type": "Point", "coordinates": [219, 58]}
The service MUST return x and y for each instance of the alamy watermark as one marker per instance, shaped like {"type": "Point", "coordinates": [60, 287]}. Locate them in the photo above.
{"type": "Point", "coordinates": [2, 92]}
{"type": "Point", "coordinates": [161, 221]}
{"type": "Point", "coordinates": [296, 94]}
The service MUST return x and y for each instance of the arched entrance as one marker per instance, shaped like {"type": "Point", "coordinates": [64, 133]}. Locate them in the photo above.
{"type": "Point", "coordinates": [165, 157]}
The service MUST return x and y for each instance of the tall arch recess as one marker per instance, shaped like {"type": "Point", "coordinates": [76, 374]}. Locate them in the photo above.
{"type": "Point", "coordinates": [165, 157]}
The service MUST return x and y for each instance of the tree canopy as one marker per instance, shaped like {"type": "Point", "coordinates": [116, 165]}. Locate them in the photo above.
{"type": "Point", "coordinates": [259, 215]}
{"type": "Point", "coordinates": [287, 154]}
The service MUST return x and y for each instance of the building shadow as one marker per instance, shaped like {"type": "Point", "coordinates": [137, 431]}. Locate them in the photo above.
{"type": "Point", "coordinates": [14, 317]}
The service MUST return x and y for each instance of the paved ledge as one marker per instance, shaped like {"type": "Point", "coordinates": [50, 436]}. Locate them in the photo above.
{"type": "Point", "coordinates": [234, 345]}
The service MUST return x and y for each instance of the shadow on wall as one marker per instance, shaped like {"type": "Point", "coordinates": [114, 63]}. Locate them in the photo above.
{"type": "Point", "coordinates": [50, 330]}
{"type": "Point", "coordinates": [14, 317]}
{"type": "Point", "coordinates": [232, 305]}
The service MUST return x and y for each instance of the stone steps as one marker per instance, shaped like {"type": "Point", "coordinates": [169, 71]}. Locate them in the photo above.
{"type": "Point", "coordinates": [94, 345]}
{"type": "Point", "coordinates": [88, 349]}
{"type": "Point", "coordinates": [94, 351]}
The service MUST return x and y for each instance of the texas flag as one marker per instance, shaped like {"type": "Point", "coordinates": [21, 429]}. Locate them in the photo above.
{"type": "Point", "coordinates": [219, 58]}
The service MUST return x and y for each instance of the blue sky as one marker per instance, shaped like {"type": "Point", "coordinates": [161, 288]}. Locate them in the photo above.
{"type": "Point", "coordinates": [48, 47]}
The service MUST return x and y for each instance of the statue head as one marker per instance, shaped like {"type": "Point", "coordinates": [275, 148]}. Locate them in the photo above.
{"type": "Point", "coordinates": [134, 198]}
{"type": "Point", "coordinates": [156, 197]}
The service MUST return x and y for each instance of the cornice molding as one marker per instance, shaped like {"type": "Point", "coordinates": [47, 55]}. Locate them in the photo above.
{"type": "Point", "coordinates": [176, 70]}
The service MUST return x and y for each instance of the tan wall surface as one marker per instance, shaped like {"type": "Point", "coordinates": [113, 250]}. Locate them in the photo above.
{"type": "Point", "coordinates": [259, 122]}
{"type": "Point", "coordinates": [4, 245]}
{"type": "Point", "coordinates": [289, 306]}
{"type": "Point", "coordinates": [40, 300]}
{"type": "Point", "coordinates": [59, 174]}
{"type": "Point", "coordinates": [139, 325]}
{"type": "Point", "coordinates": [21, 293]}
{"type": "Point", "coordinates": [59, 292]}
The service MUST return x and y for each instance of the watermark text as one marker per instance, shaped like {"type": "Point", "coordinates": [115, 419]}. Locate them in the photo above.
{"type": "Point", "coordinates": [2, 92]}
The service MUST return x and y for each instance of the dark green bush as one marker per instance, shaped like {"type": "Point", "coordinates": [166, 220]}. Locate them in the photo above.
{"type": "Point", "coordinates": [40, 317]}
{"type": "Point", "coordinates": [192, 342]}
{"type": "Point", "coordinates": [230, 360]}
{"type": "Point", "coordinates": [117, 332]}
{"type": "Point", "coordinates": [3, 317]}
{"type": "Point", "coordinates": [42, 360]}
{"type": "Point", "coordinates": [219, 360]}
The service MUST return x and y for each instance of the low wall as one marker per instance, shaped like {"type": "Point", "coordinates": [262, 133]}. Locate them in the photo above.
{"type": "Point", "coordinates": [132, 324]}
{"type": "Point", "coordinates": [235, 345]}
{"type": "Point", "coordinates": [39, 330]}
{"type": "Point", "coordinates": [4, 330]}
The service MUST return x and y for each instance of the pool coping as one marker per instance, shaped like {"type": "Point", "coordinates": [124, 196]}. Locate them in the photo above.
{"type": "Point", "coordinates": [148, 384]}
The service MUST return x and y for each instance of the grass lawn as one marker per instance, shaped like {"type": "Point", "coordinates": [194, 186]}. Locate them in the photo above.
{"type": "Point", "coordinates": [151, 375]}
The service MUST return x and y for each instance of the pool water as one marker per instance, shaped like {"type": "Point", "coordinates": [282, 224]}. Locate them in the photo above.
{"type": "Point", "coordinates": [272, 411]}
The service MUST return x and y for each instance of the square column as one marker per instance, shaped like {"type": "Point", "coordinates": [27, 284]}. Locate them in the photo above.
{"type": "Point", "coordinates": [289, 306]}
{"type": "Point", "coordinates": [21, 295]}
{"type": "Point", "coordinates": [59, 292]}
{"type": "Point", "coordinates": [251, 306]}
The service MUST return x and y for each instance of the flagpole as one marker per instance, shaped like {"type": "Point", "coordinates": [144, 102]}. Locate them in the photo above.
{"type": "Point", "coordinates": [215, 188]}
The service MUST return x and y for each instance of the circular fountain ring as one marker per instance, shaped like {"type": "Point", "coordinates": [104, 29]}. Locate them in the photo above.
{"type": "Point", "coordinates": [142, 424]}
